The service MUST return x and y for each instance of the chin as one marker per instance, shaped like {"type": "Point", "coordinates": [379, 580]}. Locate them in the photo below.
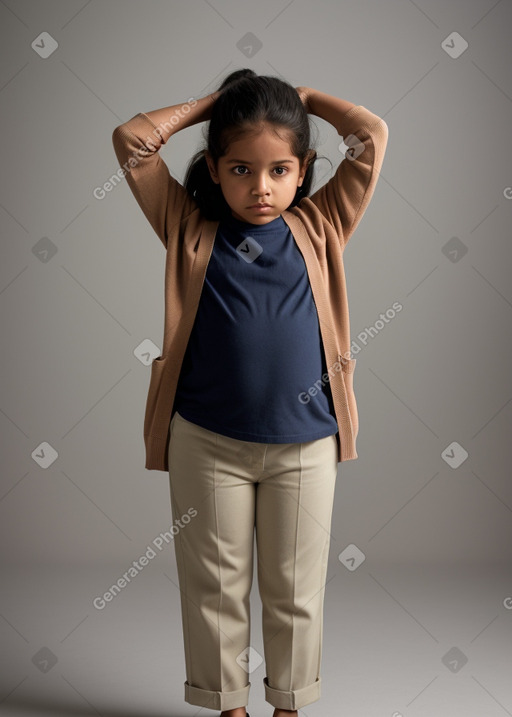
{"type": "Point", "coordinates": [259, 218]}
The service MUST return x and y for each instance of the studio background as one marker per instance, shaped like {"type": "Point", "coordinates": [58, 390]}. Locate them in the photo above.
{"type": "Point", "coordinates": [418, 606]}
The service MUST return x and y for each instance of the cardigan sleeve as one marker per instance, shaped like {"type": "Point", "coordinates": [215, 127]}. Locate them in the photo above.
{"type": "Point", "coordinates": [344, 198]}
{"type": "Point", "coordinates": [164, 201]}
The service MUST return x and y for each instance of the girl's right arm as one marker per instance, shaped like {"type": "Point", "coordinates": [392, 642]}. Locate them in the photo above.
{"type": "Point", "coordinates": [175, 117]}
{"type": "Point", "coordinates": [164, 201]}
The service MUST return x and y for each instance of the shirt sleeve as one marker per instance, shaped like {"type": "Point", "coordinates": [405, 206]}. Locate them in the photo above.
{"type": "Point", "coordinates": [344, 198]}
{"type": "Point", "coordinates": [164, 201]}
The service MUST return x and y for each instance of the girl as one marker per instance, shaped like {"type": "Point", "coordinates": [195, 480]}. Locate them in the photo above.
{"type": "Point", "coordinates": [251, 404]}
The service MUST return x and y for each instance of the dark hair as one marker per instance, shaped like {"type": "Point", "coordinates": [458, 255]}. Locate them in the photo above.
{"type": "Point", "coordinates": [245, 100]}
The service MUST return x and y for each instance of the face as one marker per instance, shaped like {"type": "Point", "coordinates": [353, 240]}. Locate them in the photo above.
{"type": "Point", "coordinates": [259, 168]}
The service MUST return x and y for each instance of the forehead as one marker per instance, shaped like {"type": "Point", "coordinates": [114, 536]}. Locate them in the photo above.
{"type": "Point", "coordinates": [262, 142]}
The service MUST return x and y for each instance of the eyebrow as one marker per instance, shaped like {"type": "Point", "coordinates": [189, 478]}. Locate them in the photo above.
{"type": "Point", "coordinates": [244, 161]}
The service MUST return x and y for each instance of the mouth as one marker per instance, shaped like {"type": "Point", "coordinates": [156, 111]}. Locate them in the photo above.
{"type": "Point", "coordinates": [260, 205]}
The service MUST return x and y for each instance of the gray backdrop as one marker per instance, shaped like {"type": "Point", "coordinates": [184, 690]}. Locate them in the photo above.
{"type": "Point", "coordinates": [418, 610]}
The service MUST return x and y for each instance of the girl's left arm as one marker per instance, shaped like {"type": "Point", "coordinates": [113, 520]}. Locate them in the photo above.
{"type": "Point", "coordinates": [323, 105]}
{"type": "Point", "coordinates": [344, 198]}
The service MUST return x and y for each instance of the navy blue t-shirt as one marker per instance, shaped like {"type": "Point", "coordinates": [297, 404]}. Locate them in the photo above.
{"type": "Point", "coordinates": [256, 346]}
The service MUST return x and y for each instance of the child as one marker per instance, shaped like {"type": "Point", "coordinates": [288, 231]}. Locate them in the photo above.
{"type": "Point", "coordinates": [251, 404]}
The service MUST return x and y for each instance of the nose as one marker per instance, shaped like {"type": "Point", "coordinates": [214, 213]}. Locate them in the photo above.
{"type": "Point", "coordinates": [260, 187]}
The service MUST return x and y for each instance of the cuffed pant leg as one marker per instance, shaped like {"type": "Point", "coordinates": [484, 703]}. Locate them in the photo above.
{"type": "Point", "coordinates": [214, 501]}
{"type": "Point", "coordinates": [294, 502]}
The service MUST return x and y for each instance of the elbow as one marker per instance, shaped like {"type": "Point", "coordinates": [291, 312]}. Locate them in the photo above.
{"type": "Point", "coordinates": [117, 134]}
{"type": "Point", "coordinates": [120, 141]}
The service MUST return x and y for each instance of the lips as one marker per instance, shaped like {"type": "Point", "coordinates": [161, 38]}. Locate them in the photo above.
{"type": "Point", "coordinates": [253, 206]}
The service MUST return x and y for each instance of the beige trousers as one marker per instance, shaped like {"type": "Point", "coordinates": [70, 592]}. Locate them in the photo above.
{"type": "Point", "coordinates": [222, 490]}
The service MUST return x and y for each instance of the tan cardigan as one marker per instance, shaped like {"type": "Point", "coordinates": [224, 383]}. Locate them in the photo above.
{"type": "Point", "coordinates": [321, 226]}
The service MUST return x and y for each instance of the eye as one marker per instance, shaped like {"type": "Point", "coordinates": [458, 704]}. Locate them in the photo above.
{"type": "Point", "coordinates": [240, 166]}
{"type": "Point", "coordinates": [285, 169]}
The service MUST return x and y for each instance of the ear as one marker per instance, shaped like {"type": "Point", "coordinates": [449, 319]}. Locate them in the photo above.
{"type": "Point", "coordinates": [211, 167]}
{"type": "Point", "coordinates": [302, 173]}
